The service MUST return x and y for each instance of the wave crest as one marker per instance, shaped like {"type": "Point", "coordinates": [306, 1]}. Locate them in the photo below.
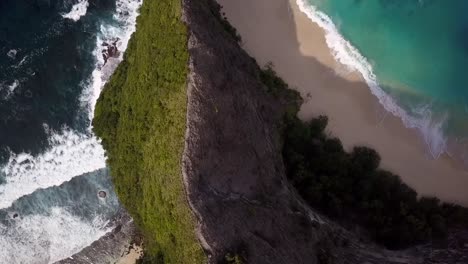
{"type": "Point", "coordinates": [78, 10]}
{"type": "Point", "coordinates": [48, 238]}
{"type": "Point", "coordinates": [54, 235]}
{"type": "Point", "coordinates": [72, 154]}
{"type": "Point", "coordinates": [349, 56]}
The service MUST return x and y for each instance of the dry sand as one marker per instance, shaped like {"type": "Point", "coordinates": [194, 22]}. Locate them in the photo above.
{"type": "Point", "coordinates": [131, 256]}
{"type": "Point", "coordinates": [276, 31]}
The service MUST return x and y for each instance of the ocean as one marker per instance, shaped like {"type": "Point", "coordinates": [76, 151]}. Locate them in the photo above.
{"type": "Point", "coordinates": [413, 55]}
{"type": "Point", "coordinates": [55, 57]}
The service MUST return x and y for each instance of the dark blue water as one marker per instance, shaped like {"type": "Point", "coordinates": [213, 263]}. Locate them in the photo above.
{"type": "Point", "coordinates": [51, 165]}
{"type": "Point", "coordinates": [53, 56]}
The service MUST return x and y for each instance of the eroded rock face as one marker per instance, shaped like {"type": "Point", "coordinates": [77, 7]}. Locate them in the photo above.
{"type": "Point", "coordinates": [234, 174]}
{"type": "Point", "coordinates": [232, 162]}
{"type": "Point", "coordinates": [233, 169]}
{"type": "Point", "coordinates": [110, 50]}
{"type": "Point", "coordinates": [109, 248]}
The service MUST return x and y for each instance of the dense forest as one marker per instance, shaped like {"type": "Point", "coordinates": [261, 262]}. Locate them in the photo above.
{"type": "Point", "coordinates": [350, 187]}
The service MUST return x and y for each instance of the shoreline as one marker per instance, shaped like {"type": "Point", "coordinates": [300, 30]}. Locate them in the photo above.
{"type": "Point", "coordinates": [131, 256]}
{"type": "Point", "coordinates": [277, 31]}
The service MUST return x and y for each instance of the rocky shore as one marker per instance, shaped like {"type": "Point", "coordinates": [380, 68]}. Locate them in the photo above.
{"type": "Point", "coordinates": [233, 169]}
{"type": "Point", "coordinates": [245, 209]}
{"type": "Point", "coordinates": [112, 247]}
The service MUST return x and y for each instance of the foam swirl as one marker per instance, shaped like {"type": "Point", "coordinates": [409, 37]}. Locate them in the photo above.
{"type": "Point", "coordinates": [344, 52]}
{"type": "Point", "coordinates": [58, 233]}
{"type": "Point", "coordinates": [78, 10]}
{"type": "Point", "coordinates": [48, 238]}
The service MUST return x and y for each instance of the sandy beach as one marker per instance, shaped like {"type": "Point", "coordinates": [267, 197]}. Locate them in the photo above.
{"type": "Point", "coordinates": [277, 31]}
{"type": "Point", "coordinates": [131, 256]}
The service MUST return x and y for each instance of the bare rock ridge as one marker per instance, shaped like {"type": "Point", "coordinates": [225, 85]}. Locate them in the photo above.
{"type": "Point", "coordinates": [109, 248]}
{"type": "Point", "coordinates": [234, 173]}
{"type": "Point", "coordinates": [232, 161]}
{"type": "Point", "coordinates": [246, 211]}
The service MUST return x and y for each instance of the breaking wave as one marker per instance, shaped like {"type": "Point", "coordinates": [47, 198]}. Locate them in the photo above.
{"type": "Point", "coordinates": [78, 10]}
{"type": "Point", "coordinates": [421, 118]}
{"type": "Point", "coordinates": [72, 155]}
{"type": "Point", "coordinates": [58, 233]}
{"type": "Point", "coordinates": [48, 238]}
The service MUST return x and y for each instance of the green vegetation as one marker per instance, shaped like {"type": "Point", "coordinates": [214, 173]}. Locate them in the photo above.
{"type": "Point", "coordinates": [233, 259]}
{"type": "Point", "coordinates": [351, 188]}
{"type": "Point", "coordinates": [280, 90]}
{"type": "Point", "coordinates": [236, 255]}
{"type": "Point", "coordinates": [149, 259]}
{"type": "Point", "coordinates": [215, 9]}
{"type": "Point", "coordinates": [140, 117]}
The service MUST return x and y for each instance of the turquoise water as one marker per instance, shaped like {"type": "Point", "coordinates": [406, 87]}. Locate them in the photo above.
{"type": "Point", "coordinates": [418, 51]}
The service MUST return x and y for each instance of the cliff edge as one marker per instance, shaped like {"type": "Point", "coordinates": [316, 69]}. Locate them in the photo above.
{"type": "Point", "coordinates": [193, 134]}
{"type": "Point", "coordinates": [233, 168]}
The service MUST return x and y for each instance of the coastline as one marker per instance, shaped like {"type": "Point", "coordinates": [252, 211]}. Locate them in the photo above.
{"type": "Point", "coordinates": [132, 256]}
{"type": "Point", "coordinates": [277, 31]}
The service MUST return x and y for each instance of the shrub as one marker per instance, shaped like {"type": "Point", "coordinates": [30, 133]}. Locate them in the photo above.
{"type": "Point", "coordinates": [351, 188]}
{"type": "Point", "coordinates": [140, 117]}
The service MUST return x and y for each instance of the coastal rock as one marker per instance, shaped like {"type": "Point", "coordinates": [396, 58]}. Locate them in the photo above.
{"type": "Point", "coordinates": [102, 194]}
{"type": "Point", "coordinates": [110, 50]}
{"type": "Point", "coordinates": [246, 211]}
{"type": "Point", "coordinates": [232, 163]}
{"type": "Point", "coordinates": [234, 174]}
{"type": "Point", "coordinates": [111, 247]}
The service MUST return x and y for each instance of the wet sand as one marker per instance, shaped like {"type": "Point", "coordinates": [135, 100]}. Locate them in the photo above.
{"type": "Point", "coordinates": [277, 31]}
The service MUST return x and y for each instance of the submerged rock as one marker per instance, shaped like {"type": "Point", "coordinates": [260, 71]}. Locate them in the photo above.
{"type": "Point", "coordinates": [102, 194]}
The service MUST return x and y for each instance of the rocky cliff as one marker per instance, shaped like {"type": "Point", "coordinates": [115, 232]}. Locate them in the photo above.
{"type": "Point", "coordinates": [245, 211]}
{"type": "Point", "coordinates": [234, 173]}
{"type": "Point", "coordinates": [232, 161]}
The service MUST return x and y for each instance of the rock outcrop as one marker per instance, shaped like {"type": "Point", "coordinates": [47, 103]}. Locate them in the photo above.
{"type": "Point", "coordinates": [110, 50]}
{"type": "Point", "coordinates": [232, 162]}
{"type": "Point", "coordinates": [111, 247]}
{"type": "Point", "coordinates": [246, 211]}
{"type": "Point", "coordinates": [233, 168]}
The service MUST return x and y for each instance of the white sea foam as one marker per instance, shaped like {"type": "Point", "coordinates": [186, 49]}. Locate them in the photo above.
{"type": "Point", "coordinates": [22, 61]}
{"type": "Point", "coordinates": [11, 89]}
{"type": "Point", "coordinates": [12, 53]}
{"type": "Point", "coordinates": [48, 238]}
{"type": "Point", "coordinates": [44, 239]}
{"type": "Point", "coordinates": [72, 154]}
{"type": "Point", "coordinates": [78, 10]}
{"type": "Point", "coordinates": [345, 53]}
{"type": "Point", "coordinates": [126, 14]}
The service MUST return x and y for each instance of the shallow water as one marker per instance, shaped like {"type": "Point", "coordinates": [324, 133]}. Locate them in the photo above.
{"type": "Point", "coordinates": [412, 53]}
{"type": "Point", "coordinates": [51, 164]}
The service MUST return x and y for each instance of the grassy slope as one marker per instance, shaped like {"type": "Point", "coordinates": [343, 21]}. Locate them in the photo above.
{"type": "Point", "coordinates": [140, 117]}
